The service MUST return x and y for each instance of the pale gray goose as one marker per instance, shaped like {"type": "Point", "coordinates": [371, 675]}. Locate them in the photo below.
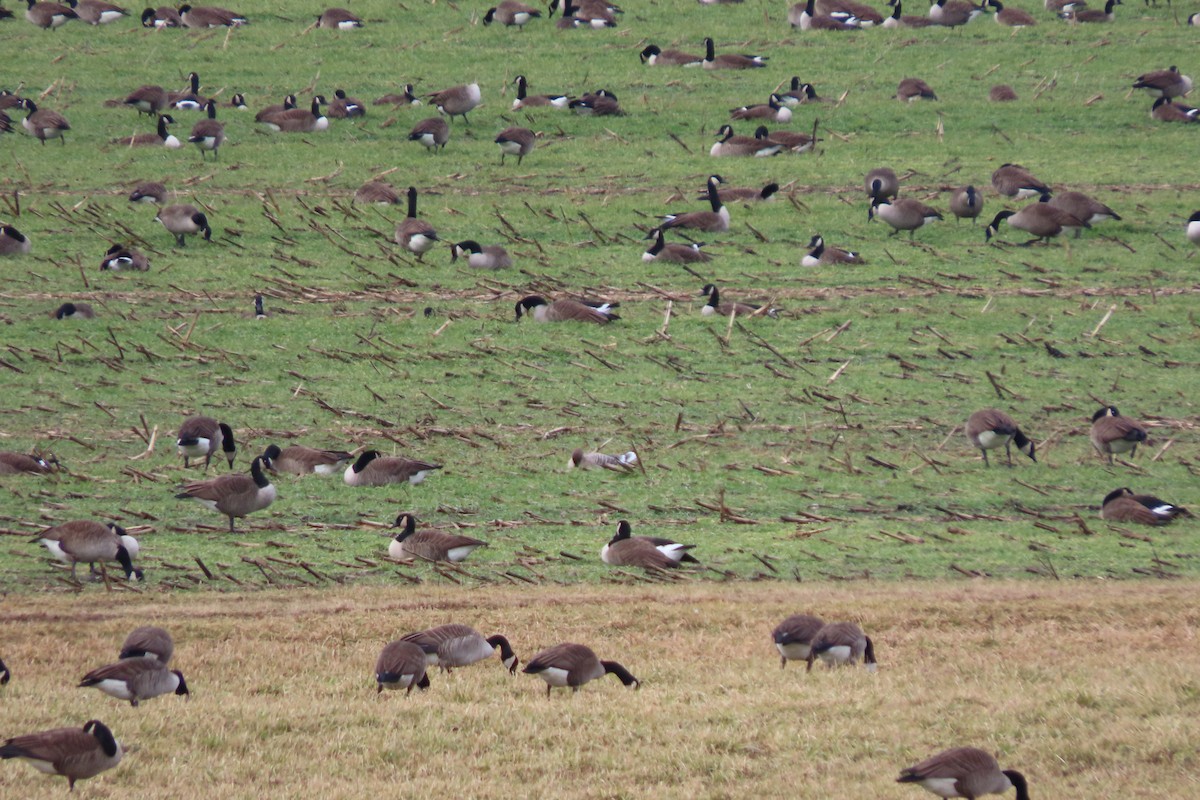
{"type": "Point", "coordinates": [429, 545]}
{"type": "Point", "coordinates": [515, 141]}
{"type": "Point", "coordinates": [233, 495]}
{"type": "Point", "coordinates": [75, 754]}
{"type": "Point", "coordinates": [1112, 433]}
{"type": "Point", "coordinates": [86, 541]}
{"type": "Point", "coordinates": [622, 463]}
{"type": "Point", "coordinates": [150, 642]}
{"type": "Point", "coordinates": [842, 643]}
{"type": "Point", "coordinates": [793, 637]}
{"type": "Point", "coordinates": [991, 428]}
{"type": "Point", "coordinates": [374, 469]}
{"type": "Point", "coordinates": [477, 256]}
{"type": "Point", "coordinates": [671, 549]}
{"type": "Point", "coordinates": [574, 665]}
{"type": "Point", "coordinates": [455, 645]}
{"type": "Point", "coordinates": [1122, 505]}
{"type": "Point", "coordinates": [204, 436]}
{"type": "Point", "coordinates": [401, 665]}
{"type": "Point", "coordinates": [136, 679]}
{"type": "Point", "coordinates": [565, 310]}
{"type": "Point", "coordinates": [415, 234]}
{"type": "Point", "coordinates": [300, 460]}
{"type": "Point", "coordinates": [964, 772]}
{"type": "Point", "coordinates": [673, 252]}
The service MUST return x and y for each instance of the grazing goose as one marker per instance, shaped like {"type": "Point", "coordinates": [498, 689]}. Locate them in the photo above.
{"type": "Point", "coordinates": [515, 141]}
{"type": "Point", "coordinates": [297, 120]}
{"type": "Point", "coordinates": [911, 89]}
{"type": "Point", "coordinates": [378, 192]}
{"type": "Point", "coordinates": [621, 463]}
{"type": "Point", "coordinates": [1164, 83]}
{"type": "Point", "coordinates": [457, 101]}
{"type": "Point", "coordinates": [75, 754]}
{"type": "Point", "coordinates": [1002, 93]}
{"type": "Point", "coordinates": [654, 56]}
{"type": "Point", "coordinates": [714, 306]}
{"type": "Point", "coordinates": [1123, 505]}
{"type": "Point", "coordinates": [181, 220]}
{"type": "Point", "coordinates": [70, 310]}
{"type": "Point", "coordinates": [805, 17]}
{"type": "Point", "coordinates": [148, 642]}
{"type": "Point", "coordinates": [842, 643]}
{"type": "Point", "coordinates": [208, 133]}
{"type": "Point", "coordinates": [1082, 207]}
{"type": "Point", "coordinates": [966, 203]}
{"type": "Point", "coordinates": [953, 13]}
{"type": "Point", "coordinates": [49, 15]}
{"type": "Point", "coordinates": [5, 673]}
{"type": "Point", "coordinates": [43, 123]}
{"type": "Point", "coordinates": [712, 221]}
{"type": "Point", "coordinates": [1013, 180]}
{"type": "Point", "coordinates": [671, 549]}
{"type": "Point", "coordinates": [1192, 229]}
{"type": "Point", "coordinates": [673, 253]}
{"type": "Point", "coordinates": [204, 436]}
{"type": "Point", "coordinates": [565, 310]}
{"type": "Point", "coordinates": [288, 104]}
{"type": "Point", "coordinates": [772, 110]}
{"type": "Point", "coordinates": [821, 255]}
{"type": "Point", "coordinates": [881, 184]}
{"type": "Point", "coordinates": [964, 772]}
{"type": "Point", "coordinates": [1011, 17]}
{"type": "Point", "coordinates": [729, 60]}
{"type": "Point", "coordinates": [338, 19]}
{"type": "Point", "coordinates": [119, 257]}
{"type": "Point", "coordinates": [233, 495]}
{"type": "Point", "coordinates": [21, 464]}
{"type": "Point", "coordinates": [88, 542]}
{"type": "Point", "coordinates": [432, 132]}
{"type": "Point", "coordinates": [97, 12]}
{"type": "Point", "coordinates": [624, 550]}
{"type": "Point", "coordinates": [373, 469]}
{"type": "Point", "coordinates": [900, 20]}
{"type": "Point", "coordinates": [1041, 220]}
{"type": "Point", "coordinates": [148, 192]}
{"type": "Point", "coordinates": [734, 194]}
{"type": "Point", "coordinates": [161, 17]}
{"type": "Point", "coordinates": [904, 214]}
{"type": "Point", "coordinates": [147, 100]}
{"type": "Point", "coordinates": [136, 679]}
{"type": "Point", "coordinates": [406, 98]}
{"type": "Point", "coordinates": [210, 17]}
{"type": "Point", "coordinates": [526, 100]}
{"type": "Point", "coordinates": [477, 256]}
{"type": "Point", "coordinates": [574, 665]}
{"type": "Point", "coordinates": [428, 544]}
{"type": "Point", "coordinates": [1111, 433]}
{"type": "Point", "coordinates": [1164, 110]}
{"type": "Point", "coordinates": [793, 637]}
{"type": "Point", "coordinates": [13, 242]}
{"type": "Point", "coordinates": [991, 428]}
{"type": "Point", "coordinates": [602, 103]}
{"type": "Point", "coordinates": [301, 460]}
{"type": "Point", "coordinates": [1091, 14]}
{"type": "Point", "coordinates": [511, 13]}
{"type": "Point", "coordinates": [163, 137]}
{"type": "Point", "coordinates": [454, 645]}
{"type": "Point", "coordinates": [414, 234]}
{"type": "Point", "coordinates": [401, 665]}
{"type": "Point", "coordinates": [345, 107]}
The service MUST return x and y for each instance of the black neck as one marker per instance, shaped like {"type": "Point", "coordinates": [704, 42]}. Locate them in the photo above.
{"type": "Point", "coordinates": [506, 651]}
{"type": "Point", "coordinates": [1018, 782]}
{"type": "Point", "coordinates": [412, 203]}
{"type": "Point", "coordinates": [819, 249]}
{"type": "Point", "coordinates": [714, 296]}
{"type": "Point", "coordinates": [100, 731]}
{"type": "Point", "coordinates": [869, 653]}
{"type": "Point", "coordinates": [710, 51]}
{"type": "Point", "coordinates": [613, 668]}
{"type": "Point", "coordinates": [714, 198]}
{"type": "Point", "coordinates": [410, 525]}
{"type": "Point", "coordinates": [659, 243]}
{"type": "Point", "coordinates": [260, 479]}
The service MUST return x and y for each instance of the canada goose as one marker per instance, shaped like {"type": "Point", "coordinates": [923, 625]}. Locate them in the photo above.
{"type": "Point", "coordinates": [1164, 110]}
{"type": "Point", "coordinates": [161, 17]}
{"type": "Point", "coordinates": [574, 665]}
{"type": "Point", "coordinates": [300, 460]}
{"type": "Point", "coordinates": [911, 89]}
{"type": "Point", "coordinates": [49, 15]}
{"type": "Point", "coordinates": [900, 20]}
{"type": "Point", "coordinates": [881, 184]}
{"type": "Point", "coordinates": [44, 124]}
{"type": "Point", "coordinates": [259, 312]}
{"type": "Point", "coordinates": [716, 219]}
{"type": "Point", "coordinates": [376, 192]}
{"type": "Point", "coordinates": [406, 98]}
{"type": "Point", "coordinates": [20, 464]}
{"type": "Point", "coordinates": [526, 100]}
{"type": "Point", "coordinates": [805, 17]}
{"type": "Point", "coordinates": [401, 665]}
{"type": "Point", "coordinates": [147, 99]}
{"type": "Point", "coordinates": [1192, 229]}
{"type": "Point", "coordinates": [413, 234]}
{"type": "Point", "coordinates": [1091, 14]}
{"type": "Point", "coordinates": [338, 19]}
{"type": "Point", "coordinates": [966, 203]}
{"type": "Point", "coordinates": [1194, 20]}
{"type": "Point", "coordinates": [565, 310]}
{"type": "Point", "coordinates": [432, 132]}
{"type": "Point", "coordinates": [1011, 17]}
{"type": "Point", "coordinates": [714, 306]}
{"type": "Point", "coordinates": [1111, 433]}
{"type": "Point", "coordinates": [1042, 220]}
{"type": "Point", "coordinates": [345, 107]}
{"type": "Point", "coordinates": [119, 257]}
{"type": "Point", "coordinates": [428, 544]}
{"type": "Point", "coordinates": [840, 643]}
{"type": "Point", "coordinates": [493, 256]}
{"type": "Point", "coordinates": [1122, 505]}
{"type": "Point", "coordinates": [208, 134]}
{"type": "Point", "coordinates": [673, 253]}
{"type": "Point", "coordinates": [821, 255]}
{"type": "Point", "coordinates": [771, 110]}
{"type": "Point", "coordinates": [655, 56]}
{"type": "Point", "coordinates": [210, 17]}
{"type": "Point", "coordinates": [991, 428]}
{"type": "Point", "coordinates": [190, 98]}
{"type": "Point", "coordinates": [1013, 180]}
{"type": "Point", "coordinates": [1080, 206]}
{"type": "Point", "coordinates": [800, 93]}
{"type": "Point", "coordinates": [148, 642]}
{"type": "Point", "coordinates": [97, 12]}
{"type": "Point", "coordinates": [586, 7]}
{"type": "Point", "coordinates": [455, 645]}
{"type": "Point", "coordinates": [5, 673]}
{"type": "Point", "coordinates": [162, 138]}
{"type": "Point", "coordinates": [148, 192]}
{"type": "Point", "coordinates": [671, 549]}
{"type": "Point", "coordinates": [510, 13]}
{"type": "Point", "coordinates": [735, 194]}
{"type": "Point", "coordinates": [953, 13]}
{"type": "Point", "coordinates": [288, 104]}
{"type": "Point", "coordinates": [1002, 94]}
{"type": "Point", "coordinates": [233, 495]}
{"type": "Point", "coordinates": [75, 754]}
{"type": "Point", "coordinates": [729, 60]}
{"type": "Point", "coordinates": [865, 15]}
{"type": "Point", "coordinates": [635, 552]}
{"type": "Point", "coordinates": [204, 436]}
{"type": "Point", "coordinates": [593, 14]}
{"type": "Point", "coordinates": [905, 214]}
{"type": "Point", "coordinates": [180, 220]}
{"type": "Point", "coordinates": [792, 142]}
{"type": "Point", "coordinates": [515, 141]}
{"type": "Point", "coordinates": [373, 469]}
{"type": "Point", "coordinates": [597, 104]}
{"type": "Point", "coordinates": [457, 101]}
{"type": "Point", "coordinates": [297, 120]}
{"type": "Point", "coordinates": [87, 541]}
{"type": "Point", "coordinates": [793, 637]}
{"type": "Point", "coordinates": [1164, 83]}
{"type": "Point", "coordinates": [964, 772]}
{"type": "Point", "coordinates": [135, 679]}
{"type": "Point", "coordinates": [70, 310]}
{"type": "Point", "coordinates": [13, 242]}
{"type": "Point", "coordinates": [622, 463]}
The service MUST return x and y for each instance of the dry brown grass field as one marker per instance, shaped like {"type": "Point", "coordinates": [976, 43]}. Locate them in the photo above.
{"type": "Point", "coordinates": [1092, 689]}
